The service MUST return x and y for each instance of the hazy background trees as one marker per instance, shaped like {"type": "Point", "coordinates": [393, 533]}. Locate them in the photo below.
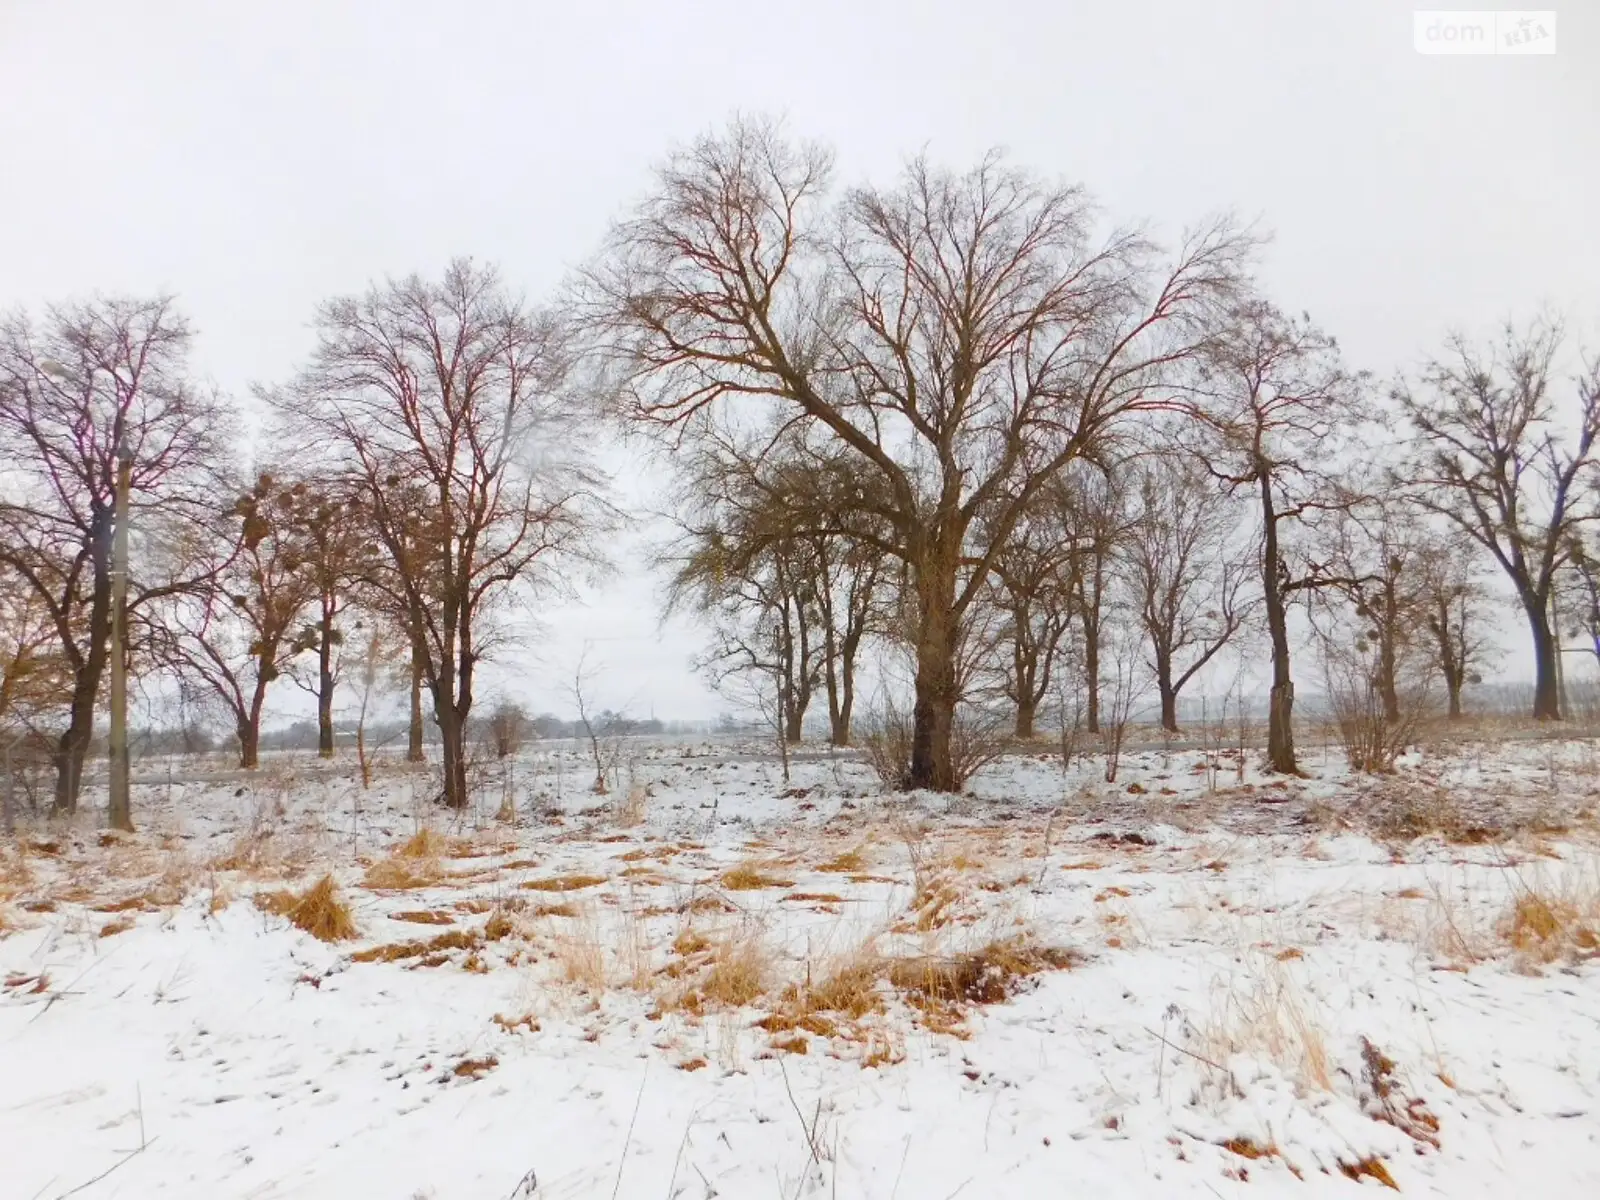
{"type": "Point", "coordinates": [1492, 461]}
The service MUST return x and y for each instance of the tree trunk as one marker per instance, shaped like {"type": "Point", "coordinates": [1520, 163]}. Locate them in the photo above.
{"type": "Point", "coordinates": [1280, 703]}
{"type": "Point", "coordinates": [794, 719]}
{"type": "Point", "coordinates": [1169, 706]}
{"type": "Point", "coordinates": [1453, 687]}
{"type": "Point", "coordinates": [414, 735]}
{"type": "Point", "coordinates": [1091, 673]}
{"type": "Point", "coordinates": [249, 734]}
{"type": "Point", "coordinates": [933, 715]}
{"type": "Point", "coordinates": [452, 736]}
{"type": "Point", "coordinates": [72, 751]}
{"type": "Point", "coordinates": [1546, 688]}
{"type": "Point", "coordinates": [1027, 710]}
{"type": "Point", "coordinates": [847, 690]}
{"type": "Point", "coordinates": [325, 690]}
{"type": "Point", "coordinates": [1388, 691]}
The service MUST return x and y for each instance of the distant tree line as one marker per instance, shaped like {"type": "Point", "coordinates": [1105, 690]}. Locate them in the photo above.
{"type": "Point", "coordinates": [952, 422]}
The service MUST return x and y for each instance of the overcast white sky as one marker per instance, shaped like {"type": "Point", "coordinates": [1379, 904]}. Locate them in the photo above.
{"type": "Point", "coordinates": [257, 157]}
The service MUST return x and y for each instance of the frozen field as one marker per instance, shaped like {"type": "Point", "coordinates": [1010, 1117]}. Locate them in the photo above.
{"type": "Point", "coordinates": [1192, 982]}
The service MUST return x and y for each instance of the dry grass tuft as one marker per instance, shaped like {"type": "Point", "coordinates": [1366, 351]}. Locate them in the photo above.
{"type": "Point", "coordinates": [498, 926]}
{"type": "Point", "coordinates": [552, 910]}
{"type": "Point", "coordinates": [112, 928]}
{"type": "Point", "coordinates": [424, 917]}
{"type": "Point", "coordinates": [402, 874]}
{"type": "Point", "coordinates": [425, 843]}
{"type": "Point", "coordinates": [1370, 1168]}
{"type": "Point", "coordinates": [851, 862]}
{"type": "Point", "coordinates": [455, 939]}
{"type": "Point", "coordinates": [748, 877]}
{"type": "Point", "coordinates": [1544, 923]}
{"type": "Point", "coordinates": [1269, 1017]}
{"type": "Point", "coordinates": [738, 974]}
{"type": "Point", "coordinates": [319, 910]}
{"type": "Point", "coordinates": [564, 883]}
{"type": "Point", "coordinates": [990, 975]}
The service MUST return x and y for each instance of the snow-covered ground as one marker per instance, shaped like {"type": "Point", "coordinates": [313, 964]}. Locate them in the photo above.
{"type": "Point", "coordinates": [717, 983]}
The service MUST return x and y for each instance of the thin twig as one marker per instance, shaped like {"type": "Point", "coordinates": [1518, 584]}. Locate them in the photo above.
{"type": "Point", "coordinates": [1181, 1050]}
{"type": "Point", "coordinates": [120, 1162]}
{"type": "Point", "coordinates": [811, 1140]}
{"type": "Point", "coordinates": [637, 1101]}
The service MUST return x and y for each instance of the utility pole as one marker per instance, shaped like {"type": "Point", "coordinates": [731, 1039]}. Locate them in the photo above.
{"type": "Point", "coordinates": [120, 812]}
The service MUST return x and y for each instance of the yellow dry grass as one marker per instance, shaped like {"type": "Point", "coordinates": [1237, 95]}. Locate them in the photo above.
{"type": "Point", "coordinates": [1543, 923]}
{"type": "Point", "coordinates": [564, 883]}
{"type": "Point", "coordinates": [1267, 1014]}
{"type": "Point", "coordinates": [749, 877]}
{"type": "Point", "coordinates": [851, 862]}
{"type": "Point", "coordinates": [319, 910]}
{"type": "Point", "coordinates": [455, 939]}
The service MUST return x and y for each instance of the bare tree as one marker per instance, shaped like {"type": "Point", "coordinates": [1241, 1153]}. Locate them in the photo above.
{"type": "Point", "coordinates": [442, 399]}
{"type": "Point", "coordinates": [1096, 512]}
{"type": "Point", "coordinates": [337, 555]}
{"type": "Point", "coordinates": [1186, 570]}
{"type": "Point", "coordinates": [960, 338]}
{"type": "Point", "coordinates": [86, 381]}
{"type": "Point", "coordinates": [235, 632]}
{"type": "Point", "coordinates": [508, 728]}
{"type": "Point", "coordinates": [1274, 396]}
{"type": "Point", "coordinates": [1492, 464]}
{"type": "Point", "coordinates": [1034, 590]}
{"type": "Point", "coordinates": [1456, 620]}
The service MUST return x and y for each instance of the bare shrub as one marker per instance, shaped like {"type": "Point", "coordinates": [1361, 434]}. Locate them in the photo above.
{"type": "Point", "coordinates": [978, 737]}
{"type": "Point", "coordinates": [1374, 733]}
{"type": "Point", "coordinates": [508, 729]}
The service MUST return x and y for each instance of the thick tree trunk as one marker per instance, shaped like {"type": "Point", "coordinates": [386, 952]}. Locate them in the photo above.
{"type": "Point", "coordinates": [933, 716]}
{"type": "Point", "coordinates": [792, 725]}
{"type": "Point", "coordinates": [1452, 670]}
{"type": "Point", "coordinates": [1027, 712]}
{"type": "Point", "coordinates": [452, 736]}
{"type": "Point", "coordinates": [1280, 702]}
{"type": "Point", "coordinates": [1388, 691]}
{"type": "Point", "coordinates": [249, 734]}
{"type": "Point", "coordinates": [325, 691]}
{"type": "Point", "coordinates": [847, 690]}
{"type": "Point", "coordinates": [414, 733]}
{"type": "Point", "coordinates": [1546, 679]}
{"type": "Point", "coordinates": [72, 751]}
{"type": "Point", "coordinates": [1169, 707]}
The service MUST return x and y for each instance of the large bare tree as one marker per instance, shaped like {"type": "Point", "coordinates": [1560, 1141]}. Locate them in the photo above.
{"type": "Point", "coordinates": [1274, 399]}
{"type": "Point", "coordinates": [1493, 464]}
{"type": "Point", "coordinates": [86, 380]}
{"type": "Point", "coordinates": [961, 336]}
{"type": "Point", "coordinates": [444, 400]}
{"type": "Point", "coordinates": [1185, 569]}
